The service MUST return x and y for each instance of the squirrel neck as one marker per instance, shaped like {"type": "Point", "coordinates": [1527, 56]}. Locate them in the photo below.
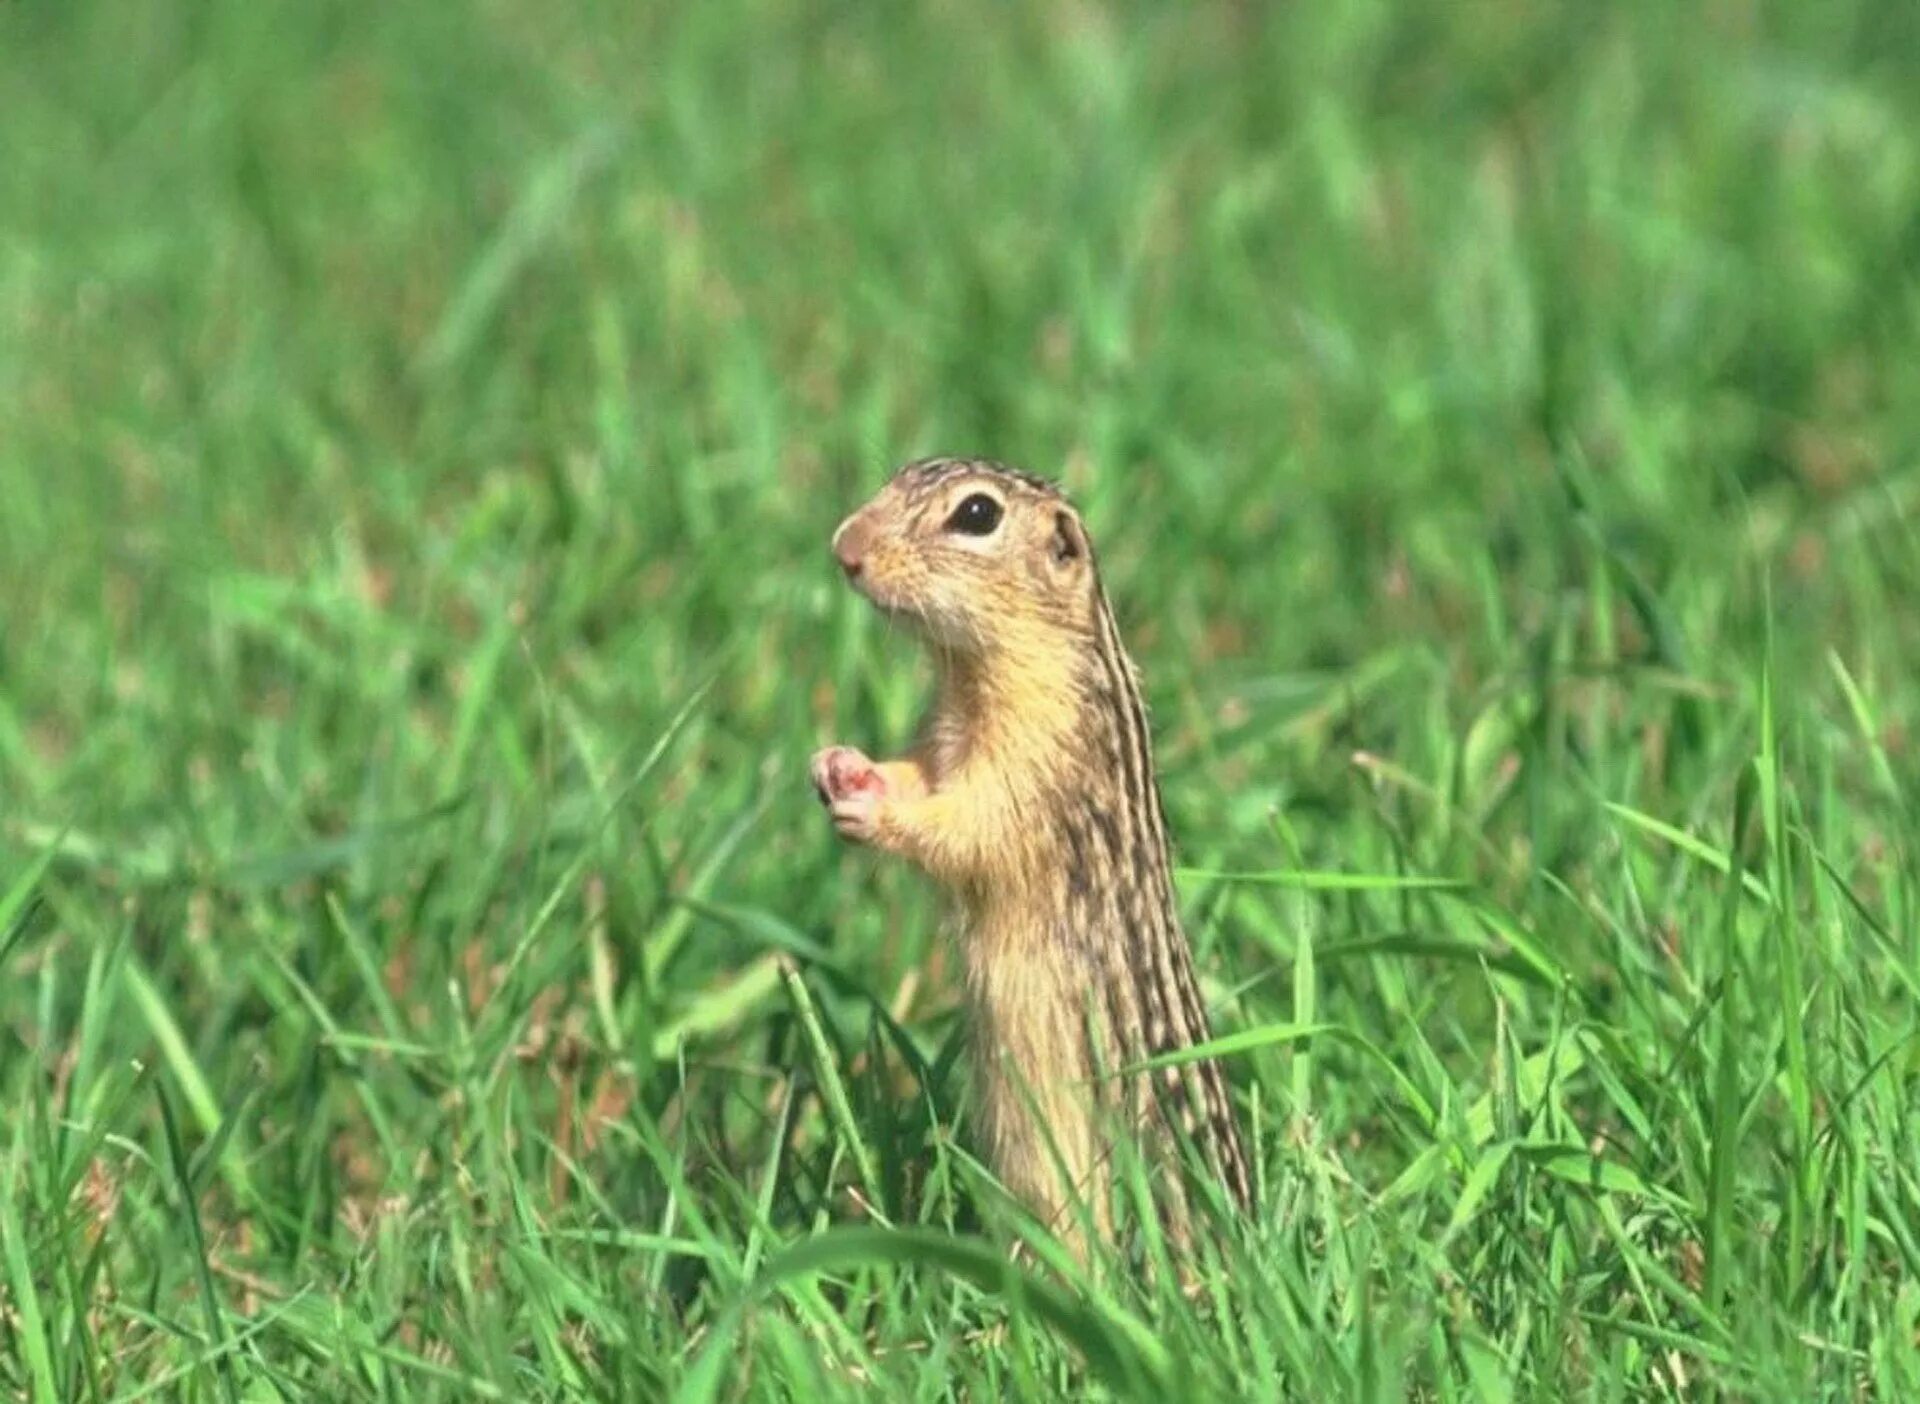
{"type": "Point", "coordinates": [1054, 720]}
{"type": "Point", "coordinates": [1015, 710]}
{"type": "Point", "coordinates": [1056, 713]}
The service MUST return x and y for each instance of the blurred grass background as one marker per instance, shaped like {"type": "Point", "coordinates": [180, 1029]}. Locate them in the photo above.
{"type": "Point", "coordinates": [420, 430]}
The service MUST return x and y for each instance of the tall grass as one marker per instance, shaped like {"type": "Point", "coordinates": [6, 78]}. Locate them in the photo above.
{"type": "Point", "coordinates": [423, 970]}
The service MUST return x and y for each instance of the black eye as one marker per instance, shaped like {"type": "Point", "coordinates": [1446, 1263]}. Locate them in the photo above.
{"type": "Point", "coordinates": [977, 515]}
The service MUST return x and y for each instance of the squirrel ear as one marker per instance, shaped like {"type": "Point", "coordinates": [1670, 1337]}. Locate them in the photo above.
{"type": "Point", "coordinates": [1069, 540]}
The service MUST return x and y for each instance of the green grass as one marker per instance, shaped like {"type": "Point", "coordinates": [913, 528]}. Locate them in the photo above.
{"type": "Point", "coordinates": [424, 972]}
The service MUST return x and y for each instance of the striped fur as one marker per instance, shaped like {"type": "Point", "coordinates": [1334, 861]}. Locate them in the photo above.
{"type": "Point", "coordinates": [1033, 798]}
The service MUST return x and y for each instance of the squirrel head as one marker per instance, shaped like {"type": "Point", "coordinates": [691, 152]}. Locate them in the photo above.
{"type": "Point", "coordinates": [978, 557]}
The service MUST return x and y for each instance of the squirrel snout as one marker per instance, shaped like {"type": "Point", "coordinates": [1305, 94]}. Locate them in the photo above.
{"type": "Point", "coordinates": [850, 546]}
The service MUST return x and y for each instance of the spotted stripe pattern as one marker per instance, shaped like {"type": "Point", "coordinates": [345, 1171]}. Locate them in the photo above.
{"type": "Point", "coordinates": [1109, 892]}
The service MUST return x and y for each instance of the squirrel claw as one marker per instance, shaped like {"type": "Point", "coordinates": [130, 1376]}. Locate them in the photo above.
{"type": "Point", "coordinates": [841, 772]}
{"type": "Point", "coordinates": [856, 817]}
{"type": "Point", "coordinates": [852, 788]}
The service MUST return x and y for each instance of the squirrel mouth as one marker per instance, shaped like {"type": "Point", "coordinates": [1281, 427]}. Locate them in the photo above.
{"type": "Point", "coordinates": [890, 605]}
{"type": "Point", "coordinates": [885, 603]}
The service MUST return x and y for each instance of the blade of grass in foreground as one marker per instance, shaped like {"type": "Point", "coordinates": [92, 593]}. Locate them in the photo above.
{"type": "Point", "coordinates": [1438, 948]}
{"type": "Point", "coordinates": [839, 1106]}
{"type": "Point", "coordinates": [15, 905]}
{"type": "Point", "coordinates": [190, 1208]}
{"type": "Point", "coordinates": [186, 1070]}
{"type": "Point", "coordinates": [1116, 1348]}
{"type": "Point", "coordinates": [1789, 988]}
{"type": "Point", "coordinates": [1325, 881]}
{"type": "Point", "coordinates": [722, 1007]}
{"type": "Point", "coordinates": [1267, 1035]}
{"type": "Point", "coordinates": [30, 1328]}
{"type": "Point", "coordinates": [1724, 1136]}
{"type": "Point", "coordinates": [1693, 847]}
{"type": "Point", "coordinates": [1229, 1044]}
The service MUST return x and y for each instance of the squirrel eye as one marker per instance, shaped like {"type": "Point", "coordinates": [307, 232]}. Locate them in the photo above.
{"type": "Point", "coordinates": [977, 515]}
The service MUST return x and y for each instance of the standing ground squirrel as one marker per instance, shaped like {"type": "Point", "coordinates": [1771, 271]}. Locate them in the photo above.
{"type": "Point", "coordinates": [1031, 798]}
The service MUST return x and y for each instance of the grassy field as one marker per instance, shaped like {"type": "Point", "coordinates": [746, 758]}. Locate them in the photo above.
{"type": "Point", "coordinates": [424, 971]}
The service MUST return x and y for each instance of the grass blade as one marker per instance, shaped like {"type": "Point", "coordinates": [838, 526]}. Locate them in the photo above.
{"type": "Point", "coordinates": [190, 1208]}
{"type": "Point", "coordinates": [1693, 847]}
{"type": "Point", "coordinates": [1308, 881]}
{"type": "Point", "coordinates": [1118, 1350]}
{"type": "Point", "coordinates": [30, 1331]}
{"type": "Point", "coordinates": [827, 1072]}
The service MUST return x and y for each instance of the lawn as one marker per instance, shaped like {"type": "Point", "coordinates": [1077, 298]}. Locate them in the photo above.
{"type": "Point", "coordinates": [424, 971]}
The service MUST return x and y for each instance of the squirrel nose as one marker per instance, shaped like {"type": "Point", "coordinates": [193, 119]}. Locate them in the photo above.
{"type": "Point", "coordinates": [849, 548]}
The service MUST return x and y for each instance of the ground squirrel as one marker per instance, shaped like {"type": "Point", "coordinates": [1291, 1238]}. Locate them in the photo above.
{"type": "Point", "coordinates": [1031, 798]}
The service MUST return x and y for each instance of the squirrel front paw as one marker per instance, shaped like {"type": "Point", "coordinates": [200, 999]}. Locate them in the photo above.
{"type": "Point", "coordinates": [852, 788]}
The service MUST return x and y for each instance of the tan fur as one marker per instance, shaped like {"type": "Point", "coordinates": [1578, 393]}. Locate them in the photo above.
{"type": "Point", "coordinates": [1030, 797]}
